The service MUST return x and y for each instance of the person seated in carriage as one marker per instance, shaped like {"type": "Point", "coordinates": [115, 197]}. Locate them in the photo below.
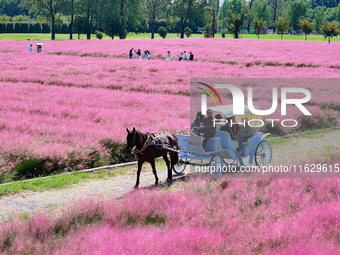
{"type": "Point", "coordinates": [207, 128]}
{"type": "Point", "coordinates": [245, 131]}
{"type": "Point", "coordinates": [197, 122]}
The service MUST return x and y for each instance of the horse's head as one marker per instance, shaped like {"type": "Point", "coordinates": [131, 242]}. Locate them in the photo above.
{"type": "Point", "coordinates": [131, 139]}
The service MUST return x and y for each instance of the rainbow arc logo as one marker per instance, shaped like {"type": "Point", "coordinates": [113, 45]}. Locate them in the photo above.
{"type": "Point", "coordinates": [209, 93]}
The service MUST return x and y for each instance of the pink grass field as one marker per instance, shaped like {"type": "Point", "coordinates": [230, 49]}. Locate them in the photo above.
{"type": "Point", "coordinates": [227, 216]}
{"type": "Point", "coordinates": [52, 105]}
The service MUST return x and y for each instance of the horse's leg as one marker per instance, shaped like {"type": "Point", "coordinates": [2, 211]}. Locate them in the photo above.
{"type": "Point", "coordinates": [165, 157]}
{"type": "Point", "coordinates": [140, 164]}
{"type": "Point", "coordinates": [152, 163]}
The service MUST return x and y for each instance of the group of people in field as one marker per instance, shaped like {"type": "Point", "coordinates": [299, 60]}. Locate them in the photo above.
{"type": "Point", "coordinates": [183, 56]}
{"type": "Point", "coordinates": [39, 49]}
{"type": "Point", "coordinates": [146, 55]}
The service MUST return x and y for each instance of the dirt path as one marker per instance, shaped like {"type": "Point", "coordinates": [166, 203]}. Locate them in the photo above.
{"type": "Point", "coordinates": [28, 201]}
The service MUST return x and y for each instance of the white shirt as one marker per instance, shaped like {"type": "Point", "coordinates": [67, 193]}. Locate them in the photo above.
{"type": "Point", "coordinates": [186, 56]}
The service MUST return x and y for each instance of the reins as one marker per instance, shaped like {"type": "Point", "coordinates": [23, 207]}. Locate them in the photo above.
{"type": "Point", "coordinates": [135, 150]}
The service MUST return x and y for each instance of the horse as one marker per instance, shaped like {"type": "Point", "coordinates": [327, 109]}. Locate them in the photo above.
{"type": "Point", "coordinates": [136, 143]}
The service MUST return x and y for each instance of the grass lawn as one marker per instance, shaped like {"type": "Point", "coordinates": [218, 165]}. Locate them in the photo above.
{"type": "Point", "coordinates": [148, 36]}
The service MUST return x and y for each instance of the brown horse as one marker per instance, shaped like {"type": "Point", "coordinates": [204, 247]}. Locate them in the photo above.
{"type": "Point", "coordinates": [136, 143]}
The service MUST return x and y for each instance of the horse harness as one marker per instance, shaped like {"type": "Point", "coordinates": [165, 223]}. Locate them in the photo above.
{"type": "Point", "coordinates": [154, 139]}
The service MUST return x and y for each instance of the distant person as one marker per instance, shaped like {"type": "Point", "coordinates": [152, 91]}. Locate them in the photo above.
{"type": "Point", "coordinates": [181, 56]}
{"type": "Point", "coordinates": [30, 49]}
{"type": "Point", "coordinates": [131, 53]}
{"type": "Point", "coordinates": [169, 57]}
{"type": "Point", "coordinates": [186, 56]}
{"type": "Point", "coordinates": [145, 56]}
{"type": "Point", "coordinates": [149, 54]}
{"type": "Point", "coordinates": [191, 57]}
{"type": "Point", "coordinates": [139, 54]}
{"type": "Point", "coordinates": [39, 49]}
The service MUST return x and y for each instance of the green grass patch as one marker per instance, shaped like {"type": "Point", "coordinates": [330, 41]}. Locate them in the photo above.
{"type": "Point", "coordinates": [169, 36]}
{"type": "Point", "coordinates": [58, 181]}
{"type": "Point", "coordinates": [312, 134]}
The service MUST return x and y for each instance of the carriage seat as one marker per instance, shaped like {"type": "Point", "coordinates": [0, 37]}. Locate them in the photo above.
{"type": "Point", "coordinates": [226, 141]}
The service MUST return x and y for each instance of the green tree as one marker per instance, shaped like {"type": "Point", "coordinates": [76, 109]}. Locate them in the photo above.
{"type": "Point", "coordinates": [154, 8]}
{"type": "Point", "coordinates": [259, 26]}
{"type": "Point", "coordinates": [261, 9]}
{"type": "Point", "coordinates": [213, 17]}
{"type": "Point", "coordinates": [318, 18]}
{"type": "Point", "coordinates": [234, 5]}
{"type": "Point", "coordinates": [70, 9]}
{"type": "Point", "coordinates": [50, 8]}
{"type": "Point", "coordinates": [112, 26]}
{"type": "Point", "coordinates": [282, 25]}
{"type": "Point", "coordinates": [235, 22]}
{"type": "Point", "coordinates": [329, 30]}
{"type": "Point", "coordinates": [4, 18]}
{"type": "Point", "coordinates": [162, 32]}
{"type": "Point", "coordinates": [79, 25]}
{"type": "Point", "coordinates": [188, 31]}
{"type": "Point", "coordinates": [297, 10]}
{"type": "Point", "coordinates": [20, 18]}
{"type": "Point", "coordinates": [306, 26]}
{"type": "Point", "coordinates": [183, 10]}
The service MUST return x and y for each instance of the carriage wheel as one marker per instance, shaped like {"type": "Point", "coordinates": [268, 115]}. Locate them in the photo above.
{"type": "Point", "coordinates": [179, 167]}
{"type": "Point", "coordinates": [229, 161]}
{"type": "Point", "coordinates": [217, 163]}
{"type": "Point", "coordinates": [263, 154]}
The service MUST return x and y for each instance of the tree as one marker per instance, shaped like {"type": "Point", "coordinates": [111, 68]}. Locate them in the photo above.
{"type": "Point", "coordinates": [70, 9]}
{"type": "Point", "coordinates": [188, 32]}
{"type": "Point", "coordinates": [20, 18]}
{"type": "Point", "coordinates": [282, 25]}
{"type": "Point", "coordinates": [297, 10]}
{"type": "Point", "coordinates": [112, 26]}
{"type": "Point", "coordinates": [183, 9]}
{"type": "Point", "coordinates": [234, 5]}
{"type": "Point", "coordinates": [213, 24]}
{"type": "Point", "coordinates": [259, 26]}
{"type": "Point", "coordinates": [79, 25]}
{"type": "Point", "coordinates": [306, 26]}
{"type": "Point", "coordinates": [329, 30]}
{"type": "Point", "coordinates": [162, 32]}
{"type": "Point", "coordinates": [153, 9]}
{"type": "Point", "coordinates": [236, 21]}
{"type": "Point", "coordinates": [319, 14]}
{"type": "Point", "coordinates": [4, 19]}
{"type": "Point", "coordinates": [50, 8]}
{"type": "Point", "coordinates": [261, 10]}
{"type": "Point", "coordinates": [90, 8]}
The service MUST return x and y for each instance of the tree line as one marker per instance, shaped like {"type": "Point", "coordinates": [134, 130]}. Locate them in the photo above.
{"type": "Point", "coordinates": [118, 17]}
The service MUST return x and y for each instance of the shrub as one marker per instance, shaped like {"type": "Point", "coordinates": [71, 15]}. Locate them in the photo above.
{"type": "Point", "coordinates": [117, 151]}
{"type": "Point", "coordinates": [10, 28]}
{"type": "Point", "coordinates": [45, 28]}
{"type": "Point", "coordinates": [2, 28]}
{"type": "Point", "coordinates": [35, 28]}
{"type": "Point", "coordinates": [17, 28]}
{"type": "Point", "coordinates": [124, 34]}
{"type": "Point", "coordinates": [99, 34]}
{"type": "Point", "coordinates": [24, 28]}
{"type": "Point", "coordinates": [162, 32]}
{"type": "Point", "coordinates": [30, 168]}
{"type": "Point", "coordinates": [188, 32]}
